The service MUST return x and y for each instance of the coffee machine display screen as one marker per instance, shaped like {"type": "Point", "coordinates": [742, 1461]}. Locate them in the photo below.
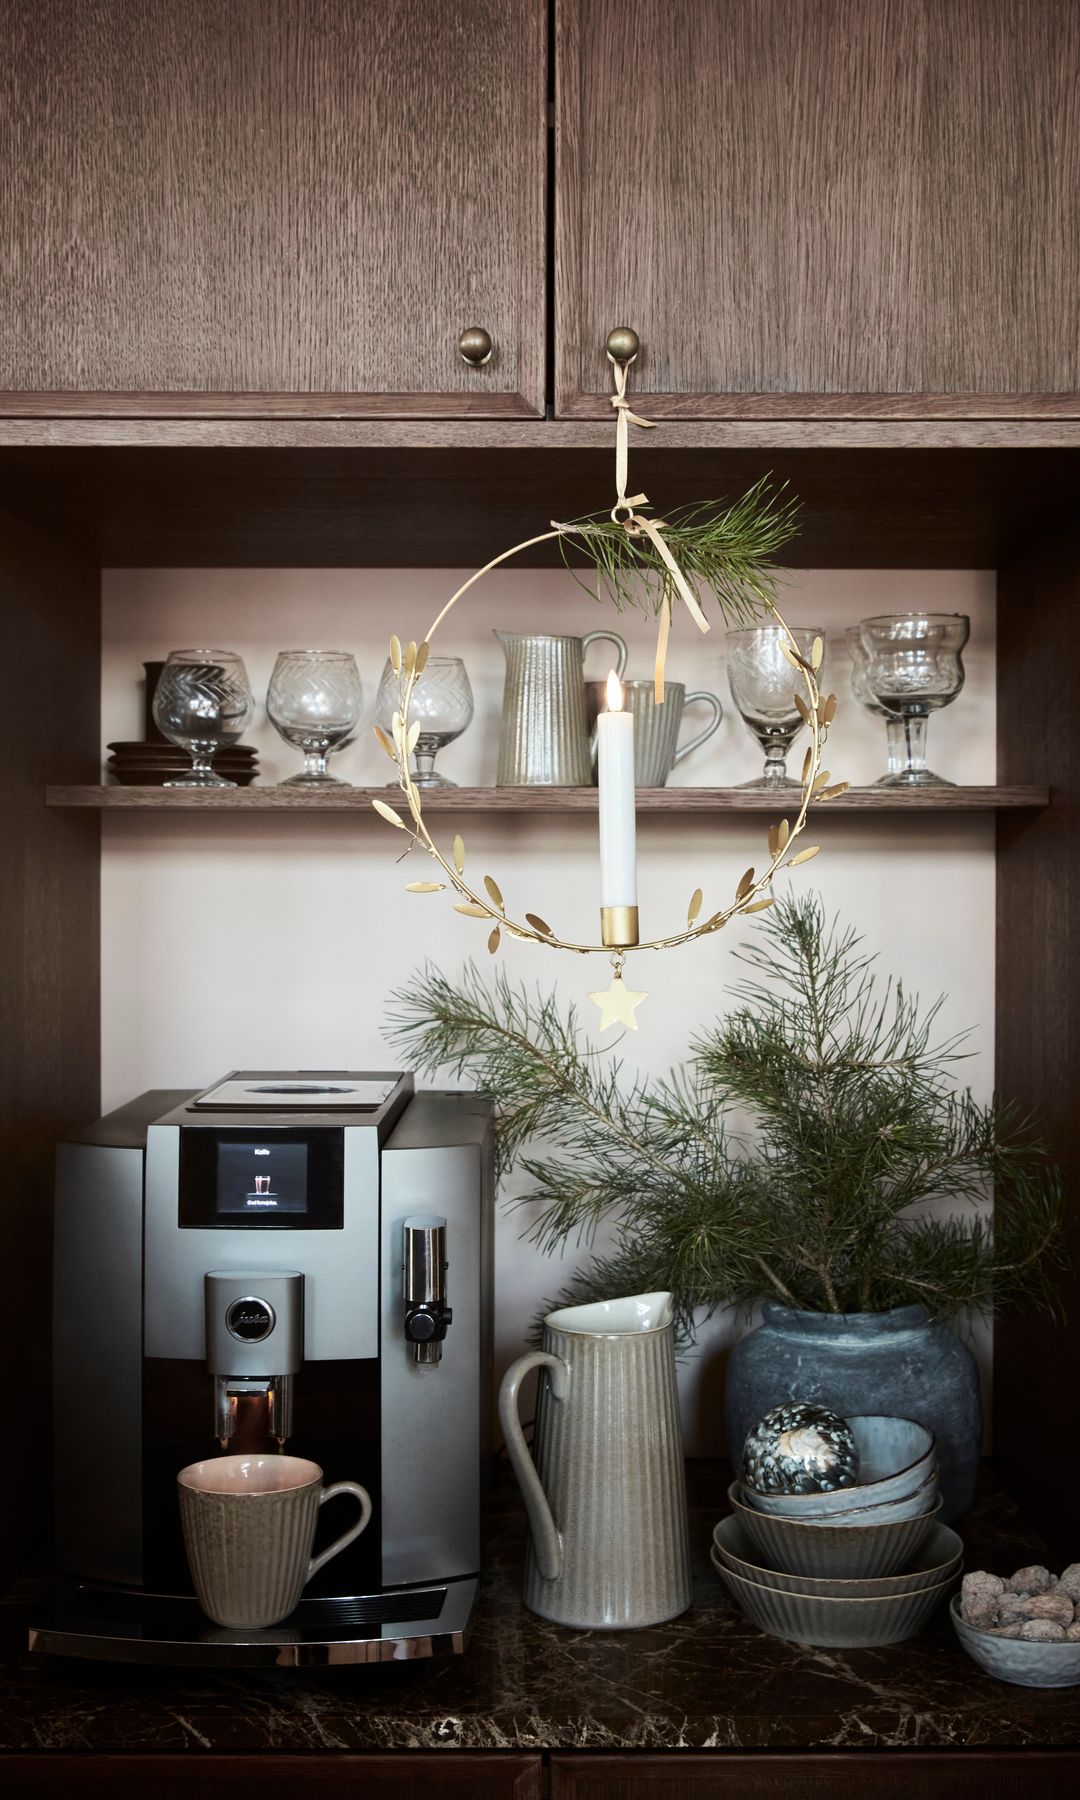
{"type": "Point", "coordinates": [290, 1178]}
{"type": "Point", "coordinates": [262, 1178]}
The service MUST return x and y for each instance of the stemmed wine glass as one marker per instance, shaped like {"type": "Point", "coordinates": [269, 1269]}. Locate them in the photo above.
{"type": "Point", "coordinates": [442, 704]}
{"type": "Point", "coordinates": [763, 687]}
{"type": "Point", "coordinates": [203, 702]}
{"type": "Point", "coordinates": [314, 702]}
{"type": "Point", "coordinates": [915, 668]}
{"type": "Point", "coordinates": [860, 687]}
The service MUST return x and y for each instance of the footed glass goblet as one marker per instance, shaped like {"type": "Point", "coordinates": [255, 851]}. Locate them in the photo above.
{"type": "Point", "coordinates": [860, 687]}
{"type": "Point", "coordinates": [442, 704]}
{"type": "Point", "coordinates": [763, 686]}
{"type": "Point", "coordinates": [915, 668]}
{"type": "Point", "coordinates": [203, 702]}
{"type": "Point", "coordinates": [314, 702]}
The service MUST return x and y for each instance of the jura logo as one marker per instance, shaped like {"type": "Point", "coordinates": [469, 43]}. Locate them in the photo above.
{"type": "Point", "coordinates": [261, 1153]}
{"type": "Point", "coordinates": [250, 1319]}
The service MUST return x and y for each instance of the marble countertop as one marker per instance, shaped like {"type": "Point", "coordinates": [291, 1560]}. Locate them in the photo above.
{"type": "Point", "coordinates": [707, 1680]}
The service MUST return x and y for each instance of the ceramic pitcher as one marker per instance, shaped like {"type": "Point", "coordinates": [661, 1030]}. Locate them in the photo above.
{"type": "Point", "coordinates": [606, 1496]}
{"type": "Point", "coordinates": [544, 740]}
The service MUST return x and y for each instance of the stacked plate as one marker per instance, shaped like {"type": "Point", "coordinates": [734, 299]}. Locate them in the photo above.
{"type": "Point", "coordinates": [151, 765]}
{"type": "Point", "coordinates": [853, 1566]}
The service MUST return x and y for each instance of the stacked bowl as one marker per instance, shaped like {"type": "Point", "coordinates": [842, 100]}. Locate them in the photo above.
{"type": "Point", "coordinates": [849, 1567]}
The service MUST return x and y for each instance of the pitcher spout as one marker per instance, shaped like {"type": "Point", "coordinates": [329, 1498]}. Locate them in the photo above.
{"type": "Point", "coordinates": [629, 1314]}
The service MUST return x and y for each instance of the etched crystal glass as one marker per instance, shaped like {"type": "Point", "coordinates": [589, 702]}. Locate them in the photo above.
{"type": "Point", "coordinates": [442, 706]}
{"type": "Point", "coordinates": [314, 702]}
{"type": "Point", "coordinates": [915, 668]}
{"type": "Point", "coordinates": [203, 702]}
{"type": "Point", "coordinates": [763, 686]}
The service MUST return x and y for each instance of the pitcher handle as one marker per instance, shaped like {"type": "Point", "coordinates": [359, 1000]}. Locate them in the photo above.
{"type": "Point", "coordinates": [547, 1541]}
{"type": "Point", "coordinates": [606, 637]}
{"type": "Point", "coordinates": [358, 1493]}
{"type": "Point", "coordinates": [713, 725]}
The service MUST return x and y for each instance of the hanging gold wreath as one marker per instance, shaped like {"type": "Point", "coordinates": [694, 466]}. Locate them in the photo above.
{"type": "Point", "coordinates": [615, 546]}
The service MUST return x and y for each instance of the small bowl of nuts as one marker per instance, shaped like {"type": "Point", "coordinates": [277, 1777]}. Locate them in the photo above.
{"type": "Point", "coordinates": [1023, 1628]}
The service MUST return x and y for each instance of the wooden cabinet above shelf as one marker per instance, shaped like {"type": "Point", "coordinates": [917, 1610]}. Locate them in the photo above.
{"type": "Point", "coordinates": [540, 800]}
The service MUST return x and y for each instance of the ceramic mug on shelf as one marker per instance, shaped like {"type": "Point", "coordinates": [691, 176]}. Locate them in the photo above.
{"type": "Point", "coordinates": [249, 1524]}
{"type": "Point", "coordinates": [605, 1496]}
{"type": "Point", "coordinates": [656, 728]}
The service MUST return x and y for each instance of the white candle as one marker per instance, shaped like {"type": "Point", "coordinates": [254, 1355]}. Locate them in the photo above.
{"type": "Point", "coordinates": [618, 823]}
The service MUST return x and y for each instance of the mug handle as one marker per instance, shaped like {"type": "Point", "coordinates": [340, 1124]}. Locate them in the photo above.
{"type": "Point", "coordinates": [547, 1540]}
{"type": "Point", "coordinates": [361, 1494]}
{"type": "Point", "coordinates": [713, 725]}
{"type": "Point", "coordinates": [606, 637]}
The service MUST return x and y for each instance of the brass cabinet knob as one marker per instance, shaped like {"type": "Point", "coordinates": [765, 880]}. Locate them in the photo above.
{"type": "Point", "coordinates": [475, 346]}
{"type": "Point", "coordinates": [623, 344]}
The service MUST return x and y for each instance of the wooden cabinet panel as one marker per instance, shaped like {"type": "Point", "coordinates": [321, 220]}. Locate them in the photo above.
{"type": "Point", "coordinates": [402, 1775]}
{"type": "Point", "coordinates": [820, 207]}
{"type": "Point", "coordinates": [273, 206]}
{"type": "Point", "coordinates": [871, 1775]}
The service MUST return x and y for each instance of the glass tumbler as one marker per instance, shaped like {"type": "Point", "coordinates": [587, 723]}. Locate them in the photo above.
{"type": "Point", "coordinates": [763, 686]}
{"type": "Point", "coordinates": [203, 703]}
{"type": "Point", "coordinates": [442, 705]}
{"type": "Point", "coordinates": [915, 668]}
{"type": "Point", "coordinates": [314, 702]}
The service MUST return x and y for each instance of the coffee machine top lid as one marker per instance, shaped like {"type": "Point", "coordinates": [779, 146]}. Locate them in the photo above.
{"type": "Point", "coordinates": [298, 1090]}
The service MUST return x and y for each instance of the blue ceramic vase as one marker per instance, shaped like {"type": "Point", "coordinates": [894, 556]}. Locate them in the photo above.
{"type": "Point", "coordinates": [889, 1362]}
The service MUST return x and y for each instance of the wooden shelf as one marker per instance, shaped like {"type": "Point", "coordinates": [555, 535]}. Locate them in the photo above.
{"type": "Point", "coordinates": [538, 800]}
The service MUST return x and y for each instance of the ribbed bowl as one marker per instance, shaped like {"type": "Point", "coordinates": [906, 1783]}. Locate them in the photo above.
{"type": "Point", "coordinates": [833, 1624]}
{"type": "Point", "coordinates": [1011, 1659]}
{"type": "Point", "coordinates": [938, 1559]}
{"type": "Point", "coordinates": [886, 1512]}
{"type": "Point", "coordinates": [896, 1458]}
{"type": "Point", "coordinates": [846, 1552]}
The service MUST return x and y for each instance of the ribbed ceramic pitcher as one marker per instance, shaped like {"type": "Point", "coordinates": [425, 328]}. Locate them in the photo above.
{"type": "Point", "coordinates": [606, 1495]}
{"type": "Point", "coordinates": [544, 741]}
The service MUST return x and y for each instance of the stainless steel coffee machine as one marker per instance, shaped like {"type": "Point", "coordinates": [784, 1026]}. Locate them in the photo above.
{"type": "Point", "coordinates": [283, 1259]}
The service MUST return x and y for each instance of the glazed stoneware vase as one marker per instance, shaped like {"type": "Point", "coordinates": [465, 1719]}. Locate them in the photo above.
{"type": "Point", "coordinates": [900, 1362]}
{"type": "Point", "coordinates": [605, 1497]}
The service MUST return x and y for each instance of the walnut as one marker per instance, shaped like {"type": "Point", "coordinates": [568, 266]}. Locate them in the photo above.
{"type": "Point", "coordinates": [979, 1596]}
{"type": "Point", "coordinates": [1031, 1580]}
{"type": "Point", "coordinates": [1042, 1631]}
{"type": "Point", "coordinates": [1070, 1580]}
{"type": "Point", "coordinates": [1057, 1606]}
{"type": "Point", "coordinates": [1011, 1609]}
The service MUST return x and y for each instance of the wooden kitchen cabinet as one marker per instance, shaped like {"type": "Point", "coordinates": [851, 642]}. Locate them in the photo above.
{"type": "Point", "coordinates": [820, 207]}
{"type": "Point", "coordinates": [399, 1775]}
{"type": "Point", "coordinates": [271, 206]}
{"type": "Point", "coordinates": [902, 1774]}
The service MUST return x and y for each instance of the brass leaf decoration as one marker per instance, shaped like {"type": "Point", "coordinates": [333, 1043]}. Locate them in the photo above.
{"type": "Point", "coordinates": [759, 905]}
{"type": "Point", "coordinates": [821, 781]}
{"type": "Point", "coordinates": [816, 654]}
{"type": "Point", "coordinates": [539, 924]}
{"type": "Point", "coordinates": [422, 655]}
{"type": "Point", "coordinates": [793, 656]}
{"type": "Point", "coordinates": [410, 656]}
{"type": "Point", "coordinates": [414, 733]}
{"type": "Point", "coordinates": [828, 711]}
{"type": "Point", "coordinates": [802, 709]}
{"type": "Point", "coordinates": [493, 941]}
{"type": "Point", "coordinates": [494, 892]}
{"type": "Point", "coordinates": [804, 855]}
{"type": "Point", "coordinates": [459, 854]}
{"type": "Point", "coordinates": [695, 906]}
{"type": "Point", "coordinates": [839, 787]}
{"type": "Point", "coordinates": [385, 742]}
{"type": "Point", "coordinates": [806, 763]}
{"type": "Point", "coordinates": [785, 833]}
{"type": "Point", "coordinates": [388, 813]}
{"type": "Point", "coordinates": [471, 911]}
{"type": "Point", "coordinates": [745, 885]}
{"type": "Point", "coordinates": [395, 654]}
{"type": "Point", "coordinates": [424, 887]}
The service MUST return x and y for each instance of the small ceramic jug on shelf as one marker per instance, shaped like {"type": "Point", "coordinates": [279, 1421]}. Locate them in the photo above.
{"type": "Point", "coordinates": [606, 1495]}
{"type": "Point", "coordinates": [544, 741]}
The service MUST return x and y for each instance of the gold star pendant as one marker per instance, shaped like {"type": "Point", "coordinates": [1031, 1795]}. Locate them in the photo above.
{"type": "Point", "coordinates": [618, 1004]}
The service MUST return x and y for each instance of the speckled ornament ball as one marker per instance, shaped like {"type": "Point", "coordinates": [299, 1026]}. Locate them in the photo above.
{"type": "Point", "coordinates": [800, 1449]}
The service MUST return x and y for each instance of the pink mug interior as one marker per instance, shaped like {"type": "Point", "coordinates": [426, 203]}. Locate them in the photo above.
{"type": "Point", "coordinates": [249, 1474]}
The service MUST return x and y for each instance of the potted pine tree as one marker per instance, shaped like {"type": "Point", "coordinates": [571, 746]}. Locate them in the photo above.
{"type": "Point", "coordinates": [854, 1206]}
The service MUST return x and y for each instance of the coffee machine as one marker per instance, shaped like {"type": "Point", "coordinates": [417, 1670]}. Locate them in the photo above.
{"type": "Point", "coordinates": [297, 1261]}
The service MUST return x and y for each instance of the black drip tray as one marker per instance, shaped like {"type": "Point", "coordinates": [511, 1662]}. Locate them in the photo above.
{"type": "Point", "coordinates": [367, 1609]}
{"type": "Point", "coordinates": [151, 1613]}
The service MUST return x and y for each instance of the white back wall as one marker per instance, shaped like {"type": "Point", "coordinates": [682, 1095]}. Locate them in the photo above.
{"type": "Point", "coordinates": [275, 941]}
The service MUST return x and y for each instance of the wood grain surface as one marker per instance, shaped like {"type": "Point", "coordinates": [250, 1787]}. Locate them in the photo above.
{"type": "Point", "coordinates": [859, 207]}
{"type": "Point", "coordinates": [321, 506]}
{"type": "Point", "coordinates": [1038, 979]}
{"type": "Point", "coordinates": [49, 1050]}
{"type": "Point", "coordinates": [401, 1775]}
{"type": "Point", "coordinates": [108, 798]}
{"type": "Point", "coordinates": [905, 1774]}
{"type": "Point", "coordinates": [266, 198]}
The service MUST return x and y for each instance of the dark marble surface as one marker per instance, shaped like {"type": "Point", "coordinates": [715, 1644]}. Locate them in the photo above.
{"type": "Point", "coordinates": [707, 1680]}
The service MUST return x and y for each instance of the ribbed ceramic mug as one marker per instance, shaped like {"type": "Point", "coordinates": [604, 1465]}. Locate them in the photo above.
{"type": "Point", "coordinates": [656, 728]}
{"type": "Point", "coordinates": [606, 1496]}
{"type": "Point", "coordinates": [249, 1524]}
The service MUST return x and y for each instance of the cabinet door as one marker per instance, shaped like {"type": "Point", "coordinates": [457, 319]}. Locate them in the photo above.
{"type": "Point", "coordinates": [861, 208]}
{"type": "Point", "coordinates": [270, 207]}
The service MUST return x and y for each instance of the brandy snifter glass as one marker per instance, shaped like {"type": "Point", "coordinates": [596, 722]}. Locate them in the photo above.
{"type": "Point", "coordinates": [441, 704]}
{"type": "Point", "coordinates": [314, 702]}
{"type": "Point", "coordinates": [203, 702]}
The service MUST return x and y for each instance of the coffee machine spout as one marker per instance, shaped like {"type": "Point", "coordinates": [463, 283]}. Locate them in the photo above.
{"type": "Point", "coordinates": [254, 1347]}
{"type": "Point", "coordinates": [271, 1399]}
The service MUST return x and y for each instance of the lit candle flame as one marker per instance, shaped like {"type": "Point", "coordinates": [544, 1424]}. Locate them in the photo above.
{"type": "Point", "coordinates": [614, 693]}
